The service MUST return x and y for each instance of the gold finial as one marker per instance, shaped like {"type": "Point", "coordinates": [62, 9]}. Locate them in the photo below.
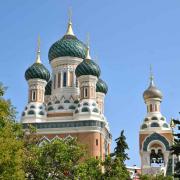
{"type": "Point", "coordinates": [88, 48]}
{"type": "Point", "coordinates": [69, 29]}
{"type": "Point", "coordinates": [38, 58]}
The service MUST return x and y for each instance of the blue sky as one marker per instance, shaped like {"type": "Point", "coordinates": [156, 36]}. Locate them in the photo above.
{"type": "Point", "coordinates": [125, 36]}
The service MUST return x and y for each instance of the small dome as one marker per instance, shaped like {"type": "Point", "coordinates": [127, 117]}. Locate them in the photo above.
{"type": "Point", "coordinates": [48, 88]}
{"type": "Point", "coordinates": [69, 45]}
{"type": "Point", "coordinates": [87, 67]}
{"type": "Point", "coordinates": [101, 86]}
{"type": "Point", "coordinates": [37, 70]}
{"type": "Point", "coordinates": [152, 92]}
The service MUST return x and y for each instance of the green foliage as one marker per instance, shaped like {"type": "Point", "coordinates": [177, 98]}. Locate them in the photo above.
{"type": "Point", "coordinates": [114, 165]}
{"type": "Point", "coordinates": [89, 169]}
{"type": "Point", "coordinates": [115, 169]}
{"type": "Point", "coordinates": [157, 177]}
{"type": "Point", "coordinates": [175, 149]}
{"type": "Point", "coordinates": [21, 157]}
{"type": "Point", "coordinates": [11, 150]}
{"type": "Point", "coordinates": [121, 147]}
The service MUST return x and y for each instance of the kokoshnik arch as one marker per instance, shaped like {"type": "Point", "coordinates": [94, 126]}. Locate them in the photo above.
{"type": "Point", "coordinates": [69, 102]}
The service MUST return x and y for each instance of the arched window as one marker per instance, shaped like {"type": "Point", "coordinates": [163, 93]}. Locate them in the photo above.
{"type": "Point", "coordinates": [31, 112]}
{"type": "Point", "coordinates": [85, 92]}
{"type": "Point", "coordinates": [146, 119]}
{"type": "Point", "coordinates": [156, 159]}
{"type": "Point", "coordinates": [66, 101]}
{"type": "Point", "coordinates": [144, 126]}
{"type": "Point", "coordinates": [85, 109]}
{"type": "Point", "coordinates": [41, 113]}
{"type": "Point", "coordinates": [23, 114]}
{"type": "Point", "coordinates": [154, 118]}
{"type": "Point", "coordinates": [64, 79]}
{"type": "Point", "coordinates": [60, 107]}
{"type": "Point", "coordinates": [32, 107]}
{"type": "Point", "coordinates": [33, 95]}
{"type": "Point", "coordinates": [72, 107]}
{"type": "Point", "coordinates": [154, 125]}
{"type": "Point", "coordinates": [50, 108]}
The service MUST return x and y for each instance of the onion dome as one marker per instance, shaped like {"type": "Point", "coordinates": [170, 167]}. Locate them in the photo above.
{"type": "Point", "coordinates": [101, 86]}
{"type": "Point", "coordinates": [68, 45]}
{"type": "Point", "coordinates": [48, 88]}
{"type": "Point", "coordinates": [37, 70]}
{"type": "Point", "coordinates": [152, 91]}
{"type": "Point", "coordinates": [87, 67]}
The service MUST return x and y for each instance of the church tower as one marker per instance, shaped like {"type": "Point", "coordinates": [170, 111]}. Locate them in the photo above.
{"type": "Point", "coordinates": [37, 77]}
{"type": "Point", "coordinates": [155, 136]}
{"type": "Point", "coordinates": [72, 100]}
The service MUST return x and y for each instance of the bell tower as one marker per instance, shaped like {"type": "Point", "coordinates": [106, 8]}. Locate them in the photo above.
{"type": "Point", "coordinates": [155, 135]}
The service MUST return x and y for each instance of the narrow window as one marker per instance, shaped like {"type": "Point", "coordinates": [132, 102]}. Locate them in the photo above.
{"type": "Point", "coordinates": [151, 108]}
{"type": "Point", "coordinates": [96, 142]}
{"type": "Point", "coordinates": [33, 95]}
{"type": "Point", "coordinates": [59, 80]}
{"type": "Point", "coordinates": [54, 81]}
{"type": "Point", "coordinates": [85, 92]}
{"type": "Point", "coordinates": [64, 79]}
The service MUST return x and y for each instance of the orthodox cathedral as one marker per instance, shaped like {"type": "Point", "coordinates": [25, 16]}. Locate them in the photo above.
{"type": "Point", "coordinates": [69, 101]}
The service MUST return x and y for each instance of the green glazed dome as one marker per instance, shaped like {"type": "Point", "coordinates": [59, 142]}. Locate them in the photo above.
{"type": "Point", "coordinates": [87, 67]}
{"type": "Point", "coordinates": [101, 86]}
{"type": "Point", "coordinates": [48, 88]}
{"type": "Point", "coordinates": [69, 45]}
{"type": "Point", "coordinates": [37, 70]}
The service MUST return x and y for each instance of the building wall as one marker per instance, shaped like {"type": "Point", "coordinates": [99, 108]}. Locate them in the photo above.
{"type": "Point", "coordinates": [94, 142]}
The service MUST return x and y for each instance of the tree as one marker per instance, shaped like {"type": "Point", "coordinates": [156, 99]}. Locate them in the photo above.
{"type": "Point", "coordinates": [175, 148]}
{"type": "Point", "coordinates": [11, 150]}
{"type": "Point", "coordinates": [114, 169]}
{"type": "Point", "coordinates": [121, 147]}
{"type": "Point", "coordinates": [90, 169]}
{"type": "Point", "coordinates": [114, 165]}
{"type": "Point", "coordinates": [56, 160]}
